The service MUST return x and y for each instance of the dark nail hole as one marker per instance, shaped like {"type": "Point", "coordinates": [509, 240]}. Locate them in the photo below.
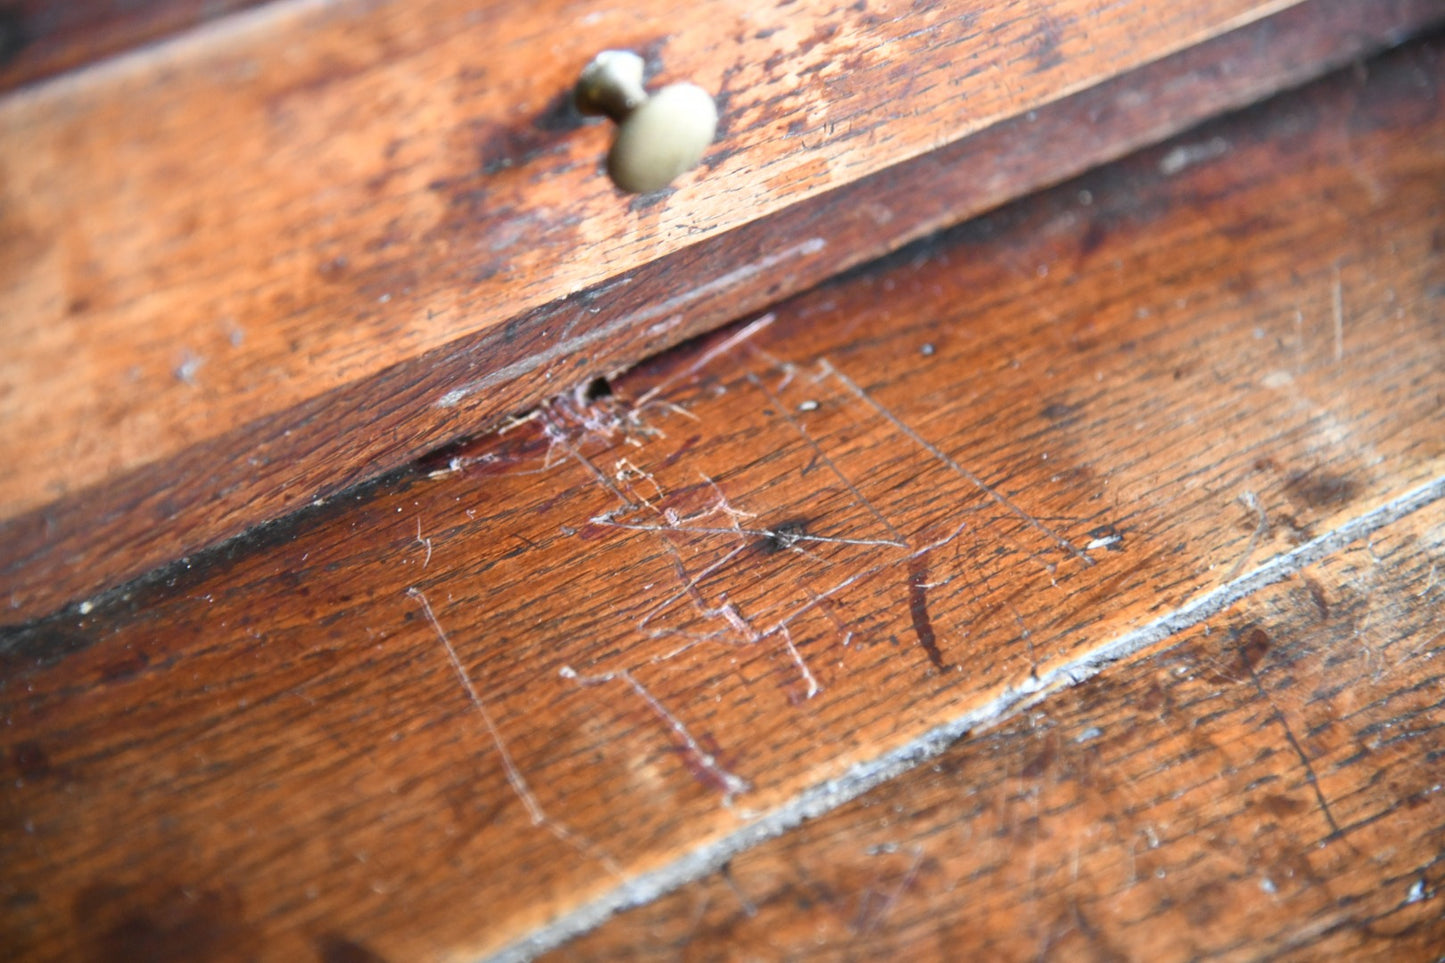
{"type": "Point", "coordinates": [784, 535]}
{"type": "Point", "coordinates": [598, 388]}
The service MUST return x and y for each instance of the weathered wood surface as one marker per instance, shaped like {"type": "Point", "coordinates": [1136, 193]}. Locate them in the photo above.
{"type": "Point", "coordinates": [471, 707]}
{"type": "Point", "coordinates": [381, 267]}
{"type": "Point", "coordinates": [40, 38]}
{"type": "Point", "coordinates": [1269, 788]}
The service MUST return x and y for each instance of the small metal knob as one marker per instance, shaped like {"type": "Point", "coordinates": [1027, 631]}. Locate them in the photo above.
{"type": "Point", "coordinates": [658, 137]}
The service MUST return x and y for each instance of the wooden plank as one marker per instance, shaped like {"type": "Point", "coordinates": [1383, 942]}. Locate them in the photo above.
{"type": "Point", "coordinates": [435, 717]}
{"type": "Point", "coordinates": [1268, 788]}
{"type": "Point", "coordinates": [41, 38]}
{"type": "Point", "coordinates": [221, 367]}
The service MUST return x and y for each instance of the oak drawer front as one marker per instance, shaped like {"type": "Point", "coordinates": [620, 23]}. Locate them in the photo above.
{"type": "Point", "coordinates": [258, 263]}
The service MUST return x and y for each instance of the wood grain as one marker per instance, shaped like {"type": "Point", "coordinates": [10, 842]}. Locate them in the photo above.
{"type": "Point", "coordinates": [192, 354]}
{"type": "Point", "coordinates": [1268, 788]}
{"type": "Point", "coordinates": [41, 38]}
{"type": "Point", "coordinates": [461, 709]}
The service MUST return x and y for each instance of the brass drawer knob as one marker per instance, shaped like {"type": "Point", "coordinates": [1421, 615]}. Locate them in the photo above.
{"type": "Point", "coordinates": [658, 137]}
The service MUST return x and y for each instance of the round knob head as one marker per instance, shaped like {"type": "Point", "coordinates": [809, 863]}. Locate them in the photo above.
{"type": "Point", "coordinates": [663, 138]}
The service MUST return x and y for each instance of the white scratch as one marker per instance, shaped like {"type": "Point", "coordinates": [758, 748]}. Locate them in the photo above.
{"type": "Point", "coordinates": [423, 541]}
{"type": "Point", "coordinates": [723, 347]}
{"type": "Point", "coordinates": [514, 775]}
{"type": "Point", "coordinates": [1187, 155]}
{"type": "Point", "coordinates": [1251, 502]}
{"type": "Point", "coordinates": [798, 661]}
{"type": "Point", "coordinates": [785, 539]}
{"type": "Point", "coordinates": [948, 461]}
{"type": "Point", "coordinates": [868, 922]}
{"type": "Point", "coordinates": [732, 784]}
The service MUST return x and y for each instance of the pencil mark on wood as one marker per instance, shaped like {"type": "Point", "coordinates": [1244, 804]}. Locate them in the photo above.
{"type": "Point", "coordinates": [918, 608]}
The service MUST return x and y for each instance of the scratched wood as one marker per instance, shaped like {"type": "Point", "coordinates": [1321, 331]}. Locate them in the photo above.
{"type": "Point", "coordinates": [433, 717]}
{"type": "Point", "coordinates": [40, 38]}
{"type": "Point", "coordinates": [189, 354]}
{"type": "Point", "coordinates": [1268, 788]}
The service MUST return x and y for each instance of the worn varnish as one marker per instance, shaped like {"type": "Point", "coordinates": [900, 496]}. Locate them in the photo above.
{"type": "Point", "coordinates": [190, 353]}
{"type": "Point", "coordinates": [457, 711]}
{"type": "Point", "coordinates": [1268, 788]}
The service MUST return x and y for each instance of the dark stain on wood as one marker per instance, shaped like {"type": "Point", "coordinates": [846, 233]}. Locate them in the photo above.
{"type": "Point", "coordinates": [1254, 645]}
{"type": "Point", "coordinates": [918, 608]}
{"type": "Point", "coordinates": [332, 948]}
{"type": "Point", "coordinates": [1321, 489]}
{"type": "Point", "coordinates": [31, 761]}
{"type": "Point", "coordinates": [180, 923]}
{"type": "Point", "coordinates": [1281, 806]}
{"type": "Point", "coordinates": [1317, 595]}
{"type": "Point", "coordinates": [1039, 763]}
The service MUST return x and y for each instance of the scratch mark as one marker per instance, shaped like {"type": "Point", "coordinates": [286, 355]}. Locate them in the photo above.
{"type": "Point", "coordinates": [1028, 639]}
{"type": "Point", "coordinates": [1338, 300]}
{"type": "Point", "coordinates": [819, 598]}
{"type": "Point", "coordinates": [783, 537]}
{"type": "Point", "coordinates": [1251, 502]}
{"type": "Point", "coordinates": [558, 437]}
{"type": "Point", "coordinates": [918, 608]}
{"type": "Point", "coordinates": [867, 921]}
{"type": "Point", "coordinates": [1299, 751]}
{"type": "Point", "coordinates": [627, 473]}
{"type": "Point", "coordinates": [723, 347]}
{"type": "Point", "coordinates": [423, 541]}
{"type": "Point", "coordinates": [749, 634]}
{"type": "Point", "coordinates": [798, 660]}
{"type": "Point", "coordinates": [954, 466]}
{"type": "Point", "coordinates": [732, 785]}
{"type": "Point", "coordinates": [818, 450]}
{"type": "Point", "coordinates": [461, 463]}
{"type": "Point", "coordinates": [514, 775]}
{"type": "Point", "coordinates": [749, 908]}
{"type": "Point", "coordinates": [689, 583]}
